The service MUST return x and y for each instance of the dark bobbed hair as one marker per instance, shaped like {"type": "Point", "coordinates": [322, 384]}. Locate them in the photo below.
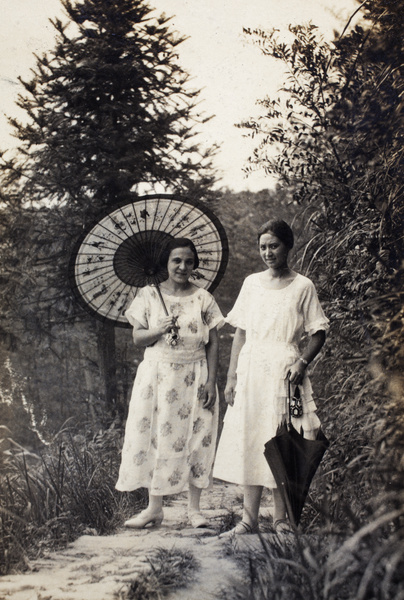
{"type": "Point", "coordinates": [175, 243]}
{"type": "Point", "coordinates": [280, 229]}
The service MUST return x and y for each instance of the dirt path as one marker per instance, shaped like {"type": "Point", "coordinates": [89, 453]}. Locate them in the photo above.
{"type": "Point", "coordinates": [100, 567]}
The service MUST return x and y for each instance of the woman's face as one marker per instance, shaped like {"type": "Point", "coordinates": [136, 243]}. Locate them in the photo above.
{"type": "Point", "coordinates": [180, 265]}
{"type": "Point", "coordinates": [273, 251]}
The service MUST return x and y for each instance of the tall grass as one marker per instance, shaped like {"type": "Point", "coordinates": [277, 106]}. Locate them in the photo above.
{"type": "Point", "coordinates": [351, 542]}
{"type": "Point", "coordinates": [363, 566]}
{"type": "Point", "coordinates": [170, 569]}
{"type": "Point", "coordinates": [51, 498]}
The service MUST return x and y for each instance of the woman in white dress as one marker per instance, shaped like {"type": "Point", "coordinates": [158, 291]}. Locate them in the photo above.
{"type": "Point", "coordinates": [273, 312]}
{"type": "Point", "coordinates": [170, 433]}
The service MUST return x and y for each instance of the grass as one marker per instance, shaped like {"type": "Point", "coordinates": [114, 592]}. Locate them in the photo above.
{"type": "Point", "coordinates": [351, 549]}
{"type": "Point", "coordinates": [227, 521]}
{"type": "Point", "coordinates": [51, 498]}
{"type": "Point", "coordinates": [353, 544]}
{"type": "Point", "coordinates": [169, 570]}
{"type": "Point", "coordinates": [275, 570]}
{"type": "Point", "coordinates": [364, 562]}
{"type": "Point", "coordinates": [367, 565]}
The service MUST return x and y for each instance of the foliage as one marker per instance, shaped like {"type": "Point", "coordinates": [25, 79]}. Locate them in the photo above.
{"type": "Point", "coordinates": [169, 571]}
{"type": "Point", "coordinates": [108, 109]}
{"type": "Point", "coordinates": [50, 498]}
{"type": "Point", "coordinates": [334, 138]}
{"type": "Point", "coordinates": [57, 375]}
{"type": "Point", "coordinates": [338, 132]}
{"type": "Point", "coordinates": [366, 565]}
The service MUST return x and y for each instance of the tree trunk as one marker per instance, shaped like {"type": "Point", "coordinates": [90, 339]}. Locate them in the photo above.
{"type": "Point", "coordinates": [107, 355]}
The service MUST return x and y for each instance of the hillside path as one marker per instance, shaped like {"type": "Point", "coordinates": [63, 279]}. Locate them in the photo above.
{"type": "Point", "coordinates": [102, 567]}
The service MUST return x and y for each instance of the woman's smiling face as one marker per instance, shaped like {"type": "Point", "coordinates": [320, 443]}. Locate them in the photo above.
{"type": "Point", "coordinates": [180, 265]}
{"type": "Point", "coordinates": [273, 251]}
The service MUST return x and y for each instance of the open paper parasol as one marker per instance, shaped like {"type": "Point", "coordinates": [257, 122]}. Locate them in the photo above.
{"type": "Point", "coordinates": [121, 252]}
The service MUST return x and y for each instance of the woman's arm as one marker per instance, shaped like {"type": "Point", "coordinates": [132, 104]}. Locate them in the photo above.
{"type": "Point", "coordinates": [296, 371]}
{"type": "Point", "coordinates": [238, 343]}
{"type": "Point", "coordinates": [212, 357]}
{"type": "Point", "coordinates": [145, 337]}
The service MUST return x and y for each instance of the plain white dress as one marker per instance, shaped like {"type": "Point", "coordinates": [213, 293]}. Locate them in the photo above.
{"type": "Point", "coordinates": [275, 322]}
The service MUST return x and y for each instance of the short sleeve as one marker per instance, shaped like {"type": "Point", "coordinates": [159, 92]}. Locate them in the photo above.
{"type": "Point", "coordinates": [138, 310]}
{"type": "Point", "coordinates": [212, 315]}
{"type": "Point", "coordinates": [237, 315]}
{"type": "Point", "coordinates": [313, 314]}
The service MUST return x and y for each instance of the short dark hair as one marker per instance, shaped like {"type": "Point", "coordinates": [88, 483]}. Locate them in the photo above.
{"type": "Point", "coordinates": [178, 243]}
{"type": "Point", "coordinates": [280, 229]}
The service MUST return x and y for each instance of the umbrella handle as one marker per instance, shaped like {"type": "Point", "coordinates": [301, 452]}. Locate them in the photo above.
{"type": "Point", "coordinates": [162, 299]}
{"type": "Point", "coordinates": [173, 331]}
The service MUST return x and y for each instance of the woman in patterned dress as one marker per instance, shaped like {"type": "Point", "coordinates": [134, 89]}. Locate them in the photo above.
{"type": "Point", "coordinates": [273, 312]}
{"type": "Point", "coordinates": [170, 433]}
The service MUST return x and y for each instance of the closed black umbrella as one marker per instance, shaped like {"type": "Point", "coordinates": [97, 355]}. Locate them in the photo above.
{"type": "Point", "coordinates": [294, 460]}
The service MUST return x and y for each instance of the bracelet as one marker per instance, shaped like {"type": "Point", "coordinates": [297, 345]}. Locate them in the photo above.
{"type": "Point", "coordinates": [304, 361]}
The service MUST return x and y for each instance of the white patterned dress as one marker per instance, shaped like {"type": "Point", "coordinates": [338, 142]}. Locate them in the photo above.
{"type": "Point", "coordinates": [170, 439]}
{"type": "Point", "coordinates": [275, 322]}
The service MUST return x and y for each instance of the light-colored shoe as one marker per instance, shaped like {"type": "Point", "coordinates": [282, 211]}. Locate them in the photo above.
{"type": "Point", "coordinates": [241, 528]}
{"type": "Point", "coordinates": [145, 518]}
{"type": "Point", "coordinates": [197, 519]}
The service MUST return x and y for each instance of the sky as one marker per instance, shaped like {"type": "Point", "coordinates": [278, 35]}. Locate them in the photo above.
{"type": "Point", "coordinates": [231, 73]}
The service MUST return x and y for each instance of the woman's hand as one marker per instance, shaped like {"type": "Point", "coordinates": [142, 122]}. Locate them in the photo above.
{"type": "Point", "coordinates": [165, 324]}
{"type": "Point", "coordinates": [230, 390]}
{"type": "Point", "coordinates": [143, 336]}
{"type": "Point", "coordinates": [296, 372]}
{"type": "Point", "coordinates": [210, 395]}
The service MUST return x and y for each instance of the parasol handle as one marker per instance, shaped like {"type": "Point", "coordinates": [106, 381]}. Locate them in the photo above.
{"type": "Point", "coordinates": [173, 331]}
{"type": "Point", "coordinates": [162, 299]}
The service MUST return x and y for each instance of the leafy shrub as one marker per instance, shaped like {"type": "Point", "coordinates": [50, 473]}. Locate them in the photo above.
{"type": "Point", "coordinates": [334, 139]}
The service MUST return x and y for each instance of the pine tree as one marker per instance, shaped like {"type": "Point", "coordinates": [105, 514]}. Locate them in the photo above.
{"type": "Point", "coordinates": [108, 108]}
